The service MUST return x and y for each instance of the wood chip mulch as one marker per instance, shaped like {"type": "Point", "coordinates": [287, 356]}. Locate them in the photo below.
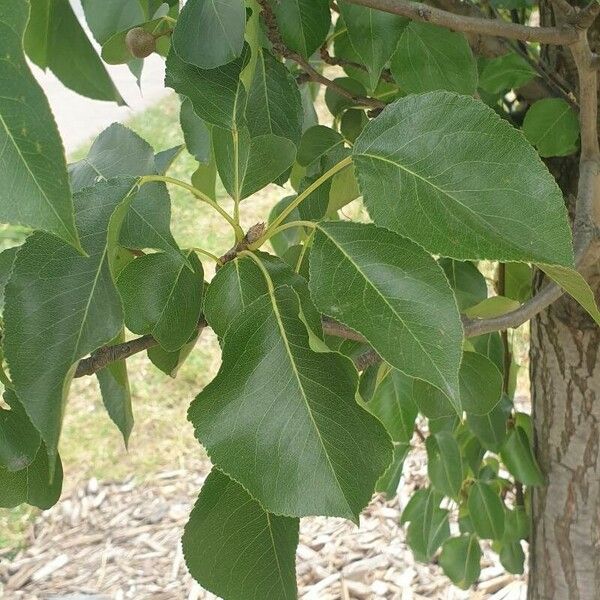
{"type": "Point", "coordinates": [120, 540]}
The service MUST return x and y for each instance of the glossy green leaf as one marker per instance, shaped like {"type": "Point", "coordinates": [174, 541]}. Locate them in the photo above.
{"type": "Point", "coordinates": [274, 105]}
{"type": "Point", "coordinates": [466, 280]}
{"type": "Point", "coordinates": [163, 297]}
{"type": "Point", "coordinates": [303, 24]}
{"type": "Point", "coordinates": [54, 37]}
{"type": "Point", "coordinates": [492, 307]}
{"type": "Point", "coordinates": [434, 58]}
{"type": "Point", "coordinates": [552, 126]}
{"type": "Point", "coordinates": [116, 394]}
{"type": "Point", "coordinates": [444, 464]}
{"type": "Point", "coordinates": [56, 298]}
{"type": "Point", "coordinates": [7, 258]}
{"type": "Point", "coordinates": [358, 270]}
{"type": "Point", "coordinates": [110, 16]}
{"type": "Point", "coordinates": [486, 510]}
{"type": "Point", "coordinates": [429, 527]}
{"type": "Point", "coordinates": [519, 278]}
{"type": "Point", "coordinates": [460, 560]}
{"type": "Point", "coordinates": [195, 133]}
{"type": "Point", "coordinates": [34, 190]}
{"type": "Point", "coordinates": [438, 189]}
{"type": "Point", "coordinates": [164, 159]}
{"type": "Point", "coordinates": [236, 549]}
{"type": "Point", "coordinates": [518, 457]}
{"type": "Point", "coordinates": [336, 102]}
{"type": "Point", "coordinates": [217, 95]}
{"type": "Point", "coordinates": [503, 73]}
{"type": "Point", "coordinates": [393, 403]}
{"type": "Point", "coordinates": [284, 240]}
{"type": "Point", "coordinates": [170, 362]}
{"type": "Point", "coordinates": [518, 524]}
{"type": "Point", "coordinates": [210, 33]}
{"type": "Point", "coordinates": [512, 557]}
{"type": "Point", "coordinates": [247, 164]}
{"type": "Point", "coordinates": [388, 483]}
{"type": "Point", "coordinates": [480, 384]}
{"type": "Point", "coordinates": [33, 484]}
{"type": "Point", "coordinates": [374, 35]}
{"type": "Point", "coordinates": [283, 420]}
{"type": "Point", "coordinates": [490, 428]}
{"type": "Point", "coordinates": [316, 142]}
{"type": "Point", "coordinates": [119, 152]}
{"type": "Point", "coordinates": [352, 123]}
{"type": "Point", "coordinates": [19, 440]}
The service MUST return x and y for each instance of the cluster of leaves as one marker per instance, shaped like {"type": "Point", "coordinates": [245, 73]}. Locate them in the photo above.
{"type": "Point", "coordinates": [291, 425]}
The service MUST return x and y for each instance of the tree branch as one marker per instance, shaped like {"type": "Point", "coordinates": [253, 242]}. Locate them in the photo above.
{"type": "Point", "coordinates": [417, 11]}
{"type": "Point", "coordinates": [103, 357]}
{"type": "Point", "coordinates": [280, 48]}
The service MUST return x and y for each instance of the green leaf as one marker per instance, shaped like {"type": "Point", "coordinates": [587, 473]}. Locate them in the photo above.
{"type": "Point", "coordinates": [357, 270]}
{"type": "Point", "coordinates": [338, 103]}
{"type": "Point", "coordinates": [552, 126]}
{"type": "Point", "coordinates": [170, 362]}
{"type": "Point", "coordinates": [19, 440]}
{"type": "Point", "coordinates": [439, 190]}
{"type": "Point", "coordinates": [434, 58]}
{"type": "Point", "coordinates": [429, 527]}
{"type": "Point", "coordinates": [119, 152]}
{"type": "Point", "coordinates": [286, 425]}
{"type": "Point", "coordinates": [60, 300]}
{"type": "Point", "coordinates": [236, 549]}
{"type": "Point", "coordinates": [247, 164]}
{"type": "Point", "coordinates": [374, 35]}
{"type": "Point", "coordinates": [217, 95]}
{"type": "Point", "coordinates": [388, 483]}
{"type": "Point", "coordinates": [490, 429]}
{"type": "Point", "coordinates": [393, 404]}
{"type": "Point", "coordinates": [460, 559]}
{"type": "Point", "coordinates": [518, 281]}
{"type": "Point", "coordinates": [486, 511]}
{"type": "Point", "coordinates": [110, 16]}
{"type": "Point", "coordinates": [209, 34]}
{"type": "Point", "coordinates": [164, 159]}
{"type": "Point", "coordinates": [33, 484]}
{"type": "Point", "coordinates": [116, 395]}
{"type": "Point", "coordinates": [163, 297]}
{"type": "Point", "coordinates": [274, 105]}
{"type": "Point", "coordinates": [444, 464]}
{"type": "Point", "coordinates": [480, 384]}
{"type": "Point", "coordinates": [34, 190]}
{"type": "Point", "coordinates": [492, 307]}
{"type": "Point", "coordinates": [489, 345]}
{"type": "Point", "coordinates": [7, 258]}
{"type": "Point", "coordinates": [54, 37]}
{"type": "Point", "coordinates": [517, 524]}
{"type": "Point", "coordinates": [287, 238]}
{"type": "Point", "coordinates": [466, 280]}
{"type": "Point", "coordinates": [195, 133]}
{"type": "Point", "coordinates": [518, 457]}
{"type": "Point", "coordinates": [512, 557]}
{"type": "Point", "coordinates": [316, 142]}
{"type": "Point", "coordinates": [116, 152]}
{"type": "Point", "coordinates": [303, 24]}
{"type": "Point", "coordinates": [503, 73]}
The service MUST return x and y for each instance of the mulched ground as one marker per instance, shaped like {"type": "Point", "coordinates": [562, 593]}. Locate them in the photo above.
{"type": "Point", "coordinates": [120, 540]}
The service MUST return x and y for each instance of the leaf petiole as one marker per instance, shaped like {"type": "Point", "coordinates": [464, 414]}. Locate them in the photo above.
{"type": "Point", "coordinates": [300, 198]}
{"type": "Point", "coordinates": [210, 255]}
{"type": "Point", "coordinates": [200, 195]}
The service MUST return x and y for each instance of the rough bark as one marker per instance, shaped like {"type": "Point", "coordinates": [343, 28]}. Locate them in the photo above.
{"type": "Point", "coordinates": [565, 387]}
{"type": "Point", "coordinates": [565, 380]}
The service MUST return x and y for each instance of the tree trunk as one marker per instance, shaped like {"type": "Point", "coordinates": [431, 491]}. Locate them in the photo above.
{"type": "Point", "coordinates": [565, 383]}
